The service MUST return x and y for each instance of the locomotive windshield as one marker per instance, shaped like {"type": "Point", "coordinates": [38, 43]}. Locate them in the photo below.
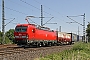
{"type": "Point", "coordinates": [21, 29]}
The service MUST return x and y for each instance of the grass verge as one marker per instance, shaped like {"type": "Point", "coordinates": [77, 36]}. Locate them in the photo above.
{"type": "Point", "coordinates": [80, 51]}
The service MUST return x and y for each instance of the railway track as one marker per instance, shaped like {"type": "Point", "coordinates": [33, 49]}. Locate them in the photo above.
{"type": "Point", "coordinates": [7, 45]}
{"type": "Point", "coordinates": [19, 53]}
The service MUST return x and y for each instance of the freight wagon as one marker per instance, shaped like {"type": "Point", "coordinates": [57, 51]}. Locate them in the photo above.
{"type": "Point", "coordinates": [64, 38]}
{"type": "Point", "coordinates": [74, 37]}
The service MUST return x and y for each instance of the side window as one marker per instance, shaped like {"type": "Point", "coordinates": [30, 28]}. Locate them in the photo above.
{"type": "Point", "coordinates": [33, 30]}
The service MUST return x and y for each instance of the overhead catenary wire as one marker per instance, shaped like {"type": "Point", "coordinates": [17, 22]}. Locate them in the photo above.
{"type": "Point", "coordinates": [8, 19]}
{"type": "Point", "coordinates": [39, 9]}
{"type": "Point", "coordinates": [62, 15]}
{"type": "Point", "coordinates": [29, 4]}
{"type": "Point", "coordinates": [51, 9]}
{"type": "Point", "coordinates": [15, 10]}
{"type": "Point", "coordinates": [34, 7]}
{"type": "Point", "coordinates": [48, 21]}
{"type": "Point", "coordinates": [54, 11]}
{"type": "Point", "coordinates": [20, 5]}
{"type": "Point", "coordinates": [9, 22]}
{"type": "Point", "coordinates": [75, 21]}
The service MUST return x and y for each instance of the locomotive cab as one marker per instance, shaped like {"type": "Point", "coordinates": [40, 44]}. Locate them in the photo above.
{"type": "Point", "coordinates": [21, 33]}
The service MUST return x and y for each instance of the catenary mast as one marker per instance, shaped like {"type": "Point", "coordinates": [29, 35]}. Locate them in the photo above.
{"type": "Point", "coordinates": [3, 23]}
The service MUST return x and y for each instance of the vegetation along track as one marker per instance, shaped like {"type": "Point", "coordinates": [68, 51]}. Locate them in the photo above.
{"type": "Point", "coordinates": [18, 53]}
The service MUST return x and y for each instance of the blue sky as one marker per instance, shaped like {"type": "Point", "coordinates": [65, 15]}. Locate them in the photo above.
{"type": "Point", "coordinates": [59, 9]}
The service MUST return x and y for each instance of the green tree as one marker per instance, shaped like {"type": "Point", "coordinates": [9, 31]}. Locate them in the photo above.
{"type": "Point", "coordinates": [10, 34]}
{"type": "Point", "coordinates": [8, 40]}
{"type": "Point", "coordinates": [88, 31]}
{"type": "Point", "coordinates": [0, 36]}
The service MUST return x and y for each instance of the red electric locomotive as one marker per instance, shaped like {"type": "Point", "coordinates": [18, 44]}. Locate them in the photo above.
{"type": "Point", "coordinates": [30, 34]}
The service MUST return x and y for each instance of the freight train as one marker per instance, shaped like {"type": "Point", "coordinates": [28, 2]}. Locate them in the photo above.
{"type": "Point", "coordinates": [33, 35]}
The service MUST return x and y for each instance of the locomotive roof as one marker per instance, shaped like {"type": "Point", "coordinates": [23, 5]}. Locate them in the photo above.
{"type": "Point", "coordinates": [26, 24]}
{"type": "Point", "coordinates": [37, 26]}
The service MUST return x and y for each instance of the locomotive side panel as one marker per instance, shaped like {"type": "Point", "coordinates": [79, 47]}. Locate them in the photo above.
{"type": "Point", "coordinates": [31, 32]}
{"type": "Point", "coordinates": [45, 35]}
